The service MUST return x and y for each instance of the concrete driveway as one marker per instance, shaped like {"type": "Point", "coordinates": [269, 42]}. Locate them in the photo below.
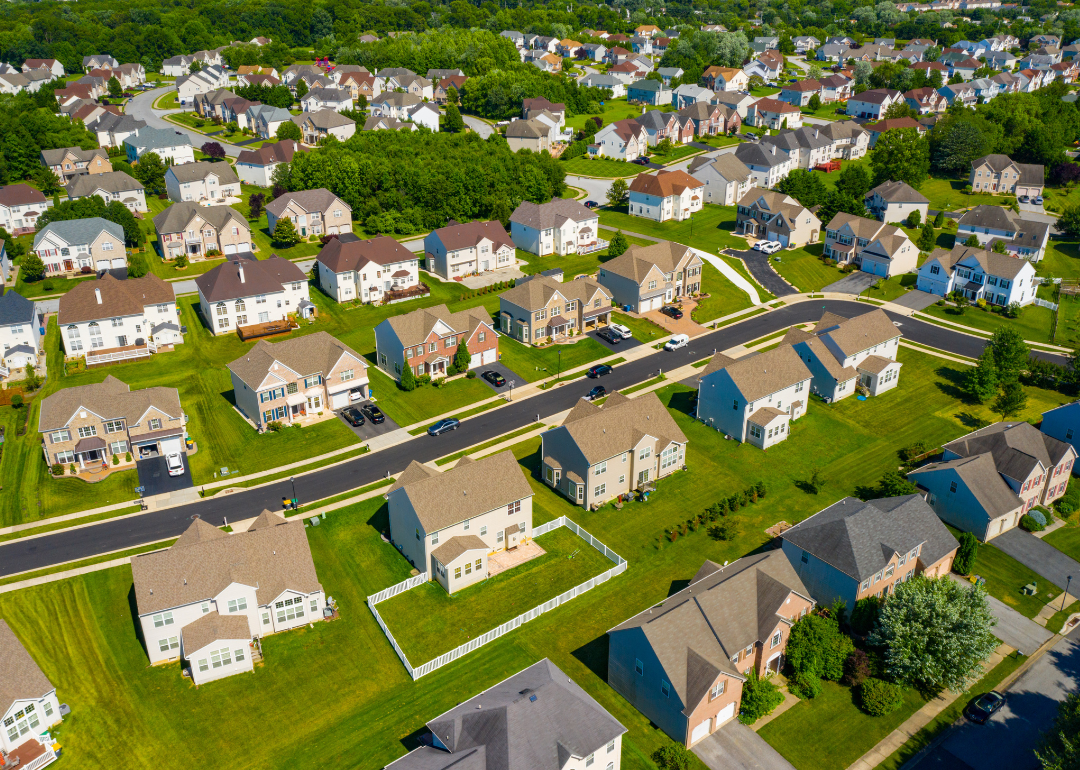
{"type": "Point", "coordinates": [369, 429]}
{"type": "Point", "coordinates": [1040, 557]}
{"type": "Point", "coordinates": [916, 300]}
{"type": "Point", "coordinates": [759, 267]}
{"type": "Point", "coordinates": [154, 476]}
{"type": "Point", "coordinates": [854, 283]}
{"type": "Point", "coordinates": [505, 371]}
{"type": "Point", "coordinates": [736, 747]}
{"type": "Point", "coordinates": [483, 129]}
{"type": "Point", "coordinates": [1014, 629]}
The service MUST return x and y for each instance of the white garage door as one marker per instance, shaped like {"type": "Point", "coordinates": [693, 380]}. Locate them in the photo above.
{"type": "Point", "coordinates": [120, 262]}
{"type": "Point", "coordinates": [101, 264]}
{"type": "Point", "coordinates": [338, 400]}
{"type": "Point", "coordinates": [230, 248]}
{"type": "Point", "coordinates": [488, 357]}
{"type": "Point", "coordinates": [700, 731]}
{"type": "Point", "coordinates": [726, 714]}
{"type": "Point", "coordinates": [474, 360]}
{"type": "Point", "coordinates": [652, 304]}
{"type": "Point", "coordinates": [171, 445]}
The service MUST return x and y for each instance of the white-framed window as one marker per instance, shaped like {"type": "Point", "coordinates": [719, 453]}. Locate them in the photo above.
{"type": "Point", "coordinates": [347, 375]}
{"type": "Point", "coordinates": [170, 643]}
{"type": "Point", "coordinates": [114, 426]}
{"type": "Point", "coordinates": [236, 605]}
{"type": "Point", "coordinates": [205, 607]}
{"type": "Point", "coordinates": [717, 689]}
{"type": "Point", "coordinates": [589, 760]}
{"type": "Point", "coordinates": [118, 447]}
{"type": "Point", "coordinates": [67, 456]}
{"type": "Point", "coordinates": [61, 435]}
{"type": "Point", "coordinates": [775, 641]}
{"type": "Point", "coordinates": [434, 538]}
{"type": "Point", "coordinates": [646, 453]}
{"type": "Point", "coordinates": [266, 618]}
{"type": "Point", "coordinates": [288, 609]}
{"type": "Point", "coordinates": [610, 748]}
{"type": "Point", "coordinates": [87, 431]}
{"type": "Point", "coordinates": [154, 424]}
{"type": "Point", "coordinates": [203, 665]}
{"type": "Point", "coordinates": [599, 490]}
{"type": "Point", "coordinates": [600, 468]}
{"type": "Point", "coordinates": [163, 619]}
{"type": "Point", "coordinates": [483, 531]}
{"type": "Point", "coordinates": [222, 657]}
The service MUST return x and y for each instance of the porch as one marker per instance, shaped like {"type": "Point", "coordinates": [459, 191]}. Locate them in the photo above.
{"type": "Point", "coordinates": [267, 329]}
{"type": "Point", "coordinates": [400, 295]}
{"type": "Point", "coordinates": [30, 755]}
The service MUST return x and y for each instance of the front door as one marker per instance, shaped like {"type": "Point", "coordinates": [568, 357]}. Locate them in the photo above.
{"type": "Point", "coordinates": [68, 265]}
{"type": "Point", "coordinates": [484, 266]}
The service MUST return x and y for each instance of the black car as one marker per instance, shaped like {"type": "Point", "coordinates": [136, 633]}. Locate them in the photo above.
{"type": "Point", "coordinates": [373, 413]}
{"type": "Point", "coordinates": [442, 426]}
{"type": "Point", "coordinates": [592, 205]}
{"type": "Point", "coordinates": [641, 161]}
{"type": "Point", "coordinates": [607, 334]}
{"type": "Point", "coordinates": [672, 311]}
{"type": "Point", "coordinates": [598, 371]}
{"type": "Point", "coordinates": [494, 378]}
{"type": "Point", "coordinates": [352, 416]}
{"type": "Point", "coordinates": [598, 392]}
{"type": "Point", "coordinates": [985, 706]}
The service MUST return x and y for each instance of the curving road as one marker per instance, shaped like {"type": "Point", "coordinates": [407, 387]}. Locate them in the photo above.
{"type": "Point", "coordinates": [142, 108]}
{"type": "Point", "coordinates": [113, 535]}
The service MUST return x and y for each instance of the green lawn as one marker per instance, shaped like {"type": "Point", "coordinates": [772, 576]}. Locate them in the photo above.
{"type": "Point", "coordinates": [603, 167]}
{"type": "Point", "coordinates": [764, 91]}
{"type": "Point", "coordinates": [1066, 539]}
{"type": "Point", "coordinates": [48, 286]}
{"type": "Point", "coordinates": [1033, 323]}
{"type": "Point", "coordinates": [1061, 260]}
{"type": "Point", "coordinates": [724, 296]}
{"type": "Point", "coordinates": [1059, 198]}
{"type": "Point", "coordinates": [678, 152]}
{"type": "Point", "coordinates": [711, 227]}
{"type": "Point", "coordinates": [167, 101]}
{"type": "Point", "coordinates": [642, 328]}
{"type": "Point", "coordinates": [826, 112]}
{"type": "Point", "coordinates": [428, 622]}
{"type": "Point", "coordinates": [803, 268]}
{"type": "Point", "coordinates": [1005, 576]}
{"type": "Point", "coordinates": [892, 288]}
{"type": "Point", "coordinates": [573, 264]}
{"type": "Point", "coordinates": [948, 195]}
{"type": "Point", "coordinates": [427, 401]}
{"type": "Point", "coordinates": [613, 111]}
{"type": "Point", "coordinates": [534, 364]}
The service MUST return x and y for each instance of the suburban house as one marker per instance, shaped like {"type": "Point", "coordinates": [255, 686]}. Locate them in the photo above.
{"type": "Point", "coordinates": [20, 338]}
{"type": "Point", "coordinates": [539, 718]}
{"type": "Point", "coordinates": [962, 93]}
{"type": "Point", "coordinates": [980, 274]}
{"type": "Point", "coordinates": [194, 230]}
{"type": "Point", "coordinates": [256, 167]}
{"type": "Point", "coordinates": [170, 145]}
{"type": "Point", "coordinates": [540, 104]}
{"type": "Point", "coordinates": [202, 600]}
{"type": "Point", "coordinates": [773, 216]}
{"type": "Point", "coordinates": [427, 339]}
{"type": "Point", "coordinates": [894, 202]}
{"type": "Point", "coordinates": [768, 66]}
{"type": "Point", "coordinates": [892, 124]}
{"type": "Point", "coordinates": [926, 101]}
{"type": "Point", "coordinates": [854, 550]}
{"type": "Point", "coordinates": [465, 249]}
{"type": "Point", "coordinates": [726, 178]}
{"type": "Point", "coordinates": [986, 480]}
{"type": "Point", "coordinates": [20, 206]}
{"type": "Point", "coordinates": [850, 140]}
{"type": "Point", "coordinates": [1058, 423]}
{"type": "Point", "coordinates": [753, 399]}
{"type": "Point", "coordinates": [648, 277]}
{"type": "Point", "coordinates": [877, 248]}
{"type": "Point", "coordinates": [111, 186]}
{"type": "Point", "coordinates": [406, 80]}
{"type": "Point", "coordinates": [873, 104]}
{"type": "Point", "coordinates": [317, 126]}
{"type": "Point", "coordinates": [844, 354]}
{"type": "Point", "coordinates": [449, 523]}
{"type": "Point", "coordinates": [541, 307]}
{"type": "Point", "coordinates": [336, 99]}
{"type": "Point", "coordinates": [682, 662]}
{"type": "Point", "coordinates": [665, 195]}
{"type": "Point", "coordinates": [55, 68]}
{"type": "Point", "coordinates": [139, 314]}
{"type": "Point", "coordinates": [442, 88]}
{"type": "Point", "coordinates": [274, 288]}
{"type": "Point", "coordinates": [602, 452]}
{"type": "Point", "coordinates": [560, 226]}
{"type": "Point", "coordinates": [806, 147]}
{"type": "Point", "coordinates": [99, 60]}
{"type": "Point", "coordinates": [773, 113]}
{"type": "Point", "coordinates": [622, 140]}
{"type": "Point", "coordinates": [113, 130]}
{"type": "Point", "coordinates": [312, 212]}
{"type": "Point", "coordinates": [660, 126]}
{"type": "Point", "coordinates": [990, 224]}
{"type": "Point", "coordinates": [725, 79]}
{"type": "Point", "coordinates": [999, 174]}
{"type": "Point", "coordinates": [70, 162]}
{"type": "Point", "coordinates": [202, 181]}
{"type": "Point", "coordinates": [710, 118]}
{"type": "Point", "coordinates": [767, 164]}
{"type": "Point", "coordinates": [375, 270]}
{"type": "Point", "coordinates": [296, 378]}
{"type": "Point", "coordinates": [29, 707]}
{"type": "Point", "coordinates": [836, 88]}
{"type": "Point", "coordinates": [529, 135]}
{"type": "Point", "coordinates": [265, 120]}
{"type": "Point", "coordinates": [652, 92]}
{"type": "Point", "coordinates": [690, 93]}
{"type": "Point", "coordinates": [610, 82]}
{"type": "Point", "coordinates": [76, 246]}
{"type": "Point", "coordinates": [89, 424]}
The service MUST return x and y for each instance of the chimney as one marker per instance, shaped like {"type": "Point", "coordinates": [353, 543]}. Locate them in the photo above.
{"type": "Point", "coordinates": [240, 270]}
{"type": "Point", "coordinates": [97, 294]}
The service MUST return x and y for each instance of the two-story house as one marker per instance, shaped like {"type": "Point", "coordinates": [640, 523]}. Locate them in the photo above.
{"type": "Point", "coordinates": [399, 78]}
{"type": "Point", "coordinates": [20, 339]}
{"type": "Point", "coordinates": [648, 277]}
{"type": "Point", "coordinates": [622, 140]}
{"type": "Point", "coordinates": [28, 705]}
{"type": "Point", "coordinates": [894, 201]}
{"type": "Point", "coordinates": [265, 120]}
{"type": "Point", "coordinates": [194, 230]}
{"type": "Point", "coordinates": [602, 452]}
{"type": "Point", "coordinates": [426, 340]}
{"type": "Point", "coordinates": [755, 398]}
{"type": "Point", "coordinates": [926, 101]}
{"type": "Point", "coordinates": [211, 597]}
{"type": "Point", "coordinates": [73, 246]}
{"type": "Point", "coordinates": [711, 118]}
{"type": "Point", "coordinates": [768, 165]}
{"type": "Point", "coordinates": [1021, 237]}
{"type": "Point", "coordinates": [315, 127]}
{"type": "Point", "coordinates": [472, 247]}
{"type": "Point", "coordinates": [170, 145]}
{"type": "Point", "coordinates": [774, 114]}
{"type": "Point", "coordinates": [666, 195]}
{"type": "Point", "coordinates": [560, 226]}
{"type": "Point", "coordinates": [651, 92]}
{"type": "Point", "coordinates": [873, 104]}
{"type": "Point", "coordinates": [312, 212]}
{"type": "Point", "coordinates": [768, 66]}
{"type": "Point", "coordinates": [1000, 174]}
{"type": "Point", "coordinates": [987, 480]}
{"type": "Point", "coordinates": [202, 182]}
{"type": "Point", "coordinates": [375, 270]}
{"type": "Point", "coordinates": [1061, 423]}
{"type": "Point", "coordinates": [659, 126]}
{"type": "Point", "coordinates": [725, 79]}
{"type": "Point", "coordinates": [773, 216]}
{"type": "Point", "coordinates": [20, 206]}
{"type": "Point", "coordinates": [997, 278]}
{"type": "Point", "coordinates": [874, 246]}
{"type": "Point", "coordinates": [70, 162]}
{"type": "Point", "coordinates": [854, 550]}
{"type": "Point", "coordinates": [88, 425]}
{"type": "Point", "coordinates": [110, 186]}
{"type": "Point", "coordinates": [850, 140]}
{"type": "Point", "coordinates": [244, 291]}
{"type": "Point", "coordinates": [256, 167]}
{"type": "Point", "coordinates": [539, 307]}
{"type": "Point", "coordinates": [336, 99]}
{"type": "Point", "coordinates": [805, 147]}
{"type": "Point", "coordinates": [844, 352]}
{"type": "Point", "coordinates": [297, 378]}
{"type": "Point", "coordinates": [448, 523]}
{"type": "Point", "coordinates": [682, 662]}
{"type": "Point", "coordinates": [726, 178]}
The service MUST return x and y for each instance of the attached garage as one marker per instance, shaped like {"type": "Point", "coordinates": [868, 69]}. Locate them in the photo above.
{"type": "Point", "coordinates": [653, 303]}
{"type": "Point", "coordinates": [172, 445]}
{"type": "Point", "coordinates": [701, 731]}
{"type": "Point", "coordinates": [726, 714]}
{"type": "Point", "coordinates": [339, 400]}
{"type": "Point", "coordinates": [475, 360]}
{"type": "Point", "coordinates": [242, 247]}
{"type": "Point", "coordinates": [230, 248]}
{"type": "Point", "coordinates": [119, 262]}
{"type": "Point", "coordinates": [488, 356]}
{"type": "Point", "coordinates": [101, 264]}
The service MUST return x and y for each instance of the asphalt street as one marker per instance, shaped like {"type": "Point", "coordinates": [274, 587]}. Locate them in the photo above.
{"type": "Point", "coordinates": [117, 534]}
{"type": "Point", "coordinates": [141, 108]}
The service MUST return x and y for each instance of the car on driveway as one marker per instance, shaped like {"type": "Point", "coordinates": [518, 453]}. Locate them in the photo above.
{"type": "Point", "coordinates": [1038, 200]}
{"type": "Point", "coordinates": [175, 464]}
{"type": "Point", "coordinates": [442, 426]}
{"type": "Point", "coordinates": [767, 247]}
{"type": "Point", "coordinates": [1023, 199]}
{"type": "Point", "coordinates": [592, 205]}
{"type": "Point", "coordinates": [607, 334]}
{"type": "Point", "coordinates": [494, 378]}
{"type": "Point", "coordinates": [352, 416]}
{"type": "Point", "coordinates": [985, 706]}
{"type": "Point", "coordinates": [622, 331]}
{"type": "Point", "coordinates": [672, 312]}
{"type": "Point", "coordinates": [356, 394]}
{"type": "Point", "coordinates": [598, 371]}
{"type": "Point", "coordinates": [373, 413]}
{"type": "Point", "coordinates": [598, 392]}
{"type": "Point", "coordinates": [641, 161]}
{"type": "Point", "coordinates": [676, 342]}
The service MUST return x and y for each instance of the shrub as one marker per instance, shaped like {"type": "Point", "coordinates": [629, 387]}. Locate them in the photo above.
{"type": "Point", "coordinates": [914, 219]}
{"type": "Point", "coordinates": [17, 401]}
{"type": "Point", "coordinates": [57, 469]}
{"type": "Point", "coordinates": [967, 553]}
{"type": "Point", "coordinates": [181, 260]}
{"type": "Point", "coordinates": [722, 530]}
{"type": "Point", "coordinates": [115, 460]}
{"type": "Point", "coordinates": [805, 685]}
{"type": "Point", "coordinates": [1029, 523]}
{"type": "Point", "coordinates": [71, 469]}
{"type": "Point", "coordinates": [759, 698]}
{"type": "Point", "coordinates": [47, 285]}
{"type": "Point", "coordinates": [408, 379]}
{"type": "Point", "coordinates": [760, 487]}
{"type": "Point", "coordinates": [275, 425]}
{"type": "Point", "coordinates": [674, 756]}
{"type": "Point", "coordinates": [880, 697]}
{"type": "Point", "coordinates": [907, 454]}
{"type": "Point", "coordinates": [470, 375]}
{"type": "Point", "coordinates": [865, 615]}
{"type": "Point", "coordinates": [127, 457]}
{"type": "Point", "coordinates": [856, 669]}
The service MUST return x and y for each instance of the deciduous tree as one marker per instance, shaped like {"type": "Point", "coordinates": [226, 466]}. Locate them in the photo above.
{"type": "Point", "coordinates": [1011, 400]}
{"type": "Point", "coordinates": [289, 130]}
{"type": "Point", "coordinates": [453, 123]}
{"type": "Point", "coordinates": [214, 150]}
{"type": "Point", "coordinates": [901, 155]}
{"type": "Point", "coordinates": [618, 193]}
{"type": "Point", "coordinates": [982, 381]}
{"type": "Point", "coordinates": [1060, 746]}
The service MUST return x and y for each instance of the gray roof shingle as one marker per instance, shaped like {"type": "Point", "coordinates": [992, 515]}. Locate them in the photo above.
{"type": "Point", "coordinates": [15, 309]}
{"type": "Point", "coordinates": [265, 276]}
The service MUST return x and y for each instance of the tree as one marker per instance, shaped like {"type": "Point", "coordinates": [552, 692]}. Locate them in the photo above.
{"type": "Point", "coordinates": [451, 95]}
{"type": "Point", "coordinates": [901, 109]}
{"type": "Point", "coordinates": [664, 146]}
{"type": "Point", "coordinates": [817, 647]}
{"type": "Point", "coordinates": [854, 180]}
{"type": "Point", "coordinates": [966, 554]}
{"type": "Point", "coordinates": [618, 193]}
{"type": "Point", "coordinates": [150, 170]}
{"type": "Point", "coordinates": [301, 89]}
{"type": "Point", "coordinates": [1010, 353]}
{"type": "Point", "coordinates": [1011, 401]}
{"type": "Point", "coordinates": [815, 103]}
{"type": "Point", "coordinates": [46, 180]}
{"type": "Point", "coordinates": [115, 89]}
{"type": "Point", "coordinates": [893, 484]}
{"type": "Point", "coordinates": [982, 381]}
{"type": "Point", "coordinates": [927, 239]}
{"type": "Point", "coordinates": [804, 186]}
{"type": "Point", "coordinates": [914, 219]}
{"type": "Point", "coordinates": [408, 379]}
{"type": "Point", "coordinates": [841, 202]}
{"type": "Point", "coordinates": [453, 123]}
{"type": "Point", "coordinates": [462, 358]}
{"type": "Point", "coordinates": [617, 245]}
{"type": "Point", "coordinates": [939, 220]}
{"type": "Point", "coordinates": [935, 633]}
{"type": "Point", "coordinates": [285, 233]}
{"type": "Point", "coordinates": [289, 130]}
{"type": "Point", "coordinates": [32, 268]}
{"type": "Point", "coordinates": [959, 139]}
{"type": "Point", "coordinates": [973, 241]}
{"type": "Point", "coordinates": [214, 150]}
{"type": "Point", "coordinates": [255, 205]}
{"type": "Point", "coordinates": [1060, 746]}
{"type": "Point", "coordinates": [137, 266]}
{"type": "Point", "coordinates": [759, 698]}
{"type": "Point", "coordinates": [1069, 221]}
{"type": "Point", "coordinates": [673, 756]}
{"type": "Point", "coordinates": [901, 155]}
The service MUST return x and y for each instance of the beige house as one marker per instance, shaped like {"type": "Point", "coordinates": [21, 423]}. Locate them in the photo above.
{"type": "Point", "coordinates": [202, 181]}
{"type": "Point", "coordinates": [602, 452]}
{"type": "Point", "coordinates": [316, 126]}
{"type": "Point", "coordinates": [773, 216]}
{"type": "Point", "coordinates": [726, 178]}
{"type": "Point", "coordinates": [648, 277]}
{"type": "Point", "coordinates": [80, 246]}
{"type": "Point", "coordinates": [1000, 174]}
{"type": "Point", "coordinates": [313, 212]}
{"type": "Point", "coordinates": [70, 162]}
{"type": "Point", "coordinates": [528, 135]}
{"type": "Point", "coordinates": [461, 249]}
{"type": "Point", "coordinates": [877, 248]}
{"type": "Point", "coordinates": [448, 523]}
{"type": "Point", "coordinates": [109, 186]}
{"type": "Point", "coordinates": [89, 424]}
{"type": "Point", "coordinates": [540, 308]}
{"type": "Point", "coordinates": [197, 231]}
{"type": "Point", "coordinates": [243, 294]}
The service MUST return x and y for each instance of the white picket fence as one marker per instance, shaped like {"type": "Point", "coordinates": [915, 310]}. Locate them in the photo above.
{"type": "Point", "coordinates": [510, 625]}
{"type": "Point", "coordinates": [1044, 303]}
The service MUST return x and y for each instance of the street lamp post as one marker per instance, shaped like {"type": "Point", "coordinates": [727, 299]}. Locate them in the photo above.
{"type": "Point", "coordinates": [1067, 583]}
{"type": "Point", "coordinates": [292, 480]}
{"type": "Point", "coordinates": [559, 373]}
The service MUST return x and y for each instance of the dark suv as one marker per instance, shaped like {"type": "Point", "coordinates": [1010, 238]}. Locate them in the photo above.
{"type": "Point", "coordinates": [598, 371]}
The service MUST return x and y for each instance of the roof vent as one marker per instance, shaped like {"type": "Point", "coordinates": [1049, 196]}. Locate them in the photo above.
{"type": "Point", "coordinates": [532, 699]}
{"type": "Point", "coordinates": [97, 294]}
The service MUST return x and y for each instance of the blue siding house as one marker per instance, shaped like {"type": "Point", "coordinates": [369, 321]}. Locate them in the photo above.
{"type": "Point", "coordinates": [651, 92]}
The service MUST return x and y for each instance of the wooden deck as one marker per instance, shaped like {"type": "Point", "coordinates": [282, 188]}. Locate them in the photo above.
{"type": "Point", "coordinates": [268, 329]}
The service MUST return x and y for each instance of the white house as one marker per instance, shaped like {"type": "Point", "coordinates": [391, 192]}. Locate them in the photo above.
{"type": "Point", "coordinates": [110, 186]}
{"type": "Point", "coordinates": [894, 201]}
{"type": "Point", "coordinates": [20, 206]}
{"type": "Point", "coordinates": [170, 145]}
{"type": "Point", "coordinates": [990, 224]}
{"type": "Point", "coordinates": [873, 104]}
{"type": "Point", "coordinates": [312, 212]}
{"type": "Point", "coordinates": [560, 226]}
{"type": "Point", "coordinates": [726, 178]}
{"type": "Point", "coordinates": [472, 247]}
{"type": "Point", "coordinates": [244, 291]}
{"type": "Point", "coordinates": [622, 140]}
{"type": "Point", "coordinates": [28, 705]}
{"type": "Point", "coordinates": [998, 278]}
{"type": "Point", "coordinates": [767, 165]}
{"type": "Point", "coordinates": [202, 181]}
{"type": "Point", "coordinates": [666, 195]}
{"type": "Point", "coordinates": [336, 99]}
{"type": "Point", "coordinates": [107, 314]}
{"type": "Point", "coordinates": [265, 120]}
{"type": "Point", "coordinates": [80, 246]}
{"type": "Point", "coordinates": [375, 270]}
{"type": "Point", "coordinates": [19, 336]}
{"type": "Point", "coordinates": [256, 167]}
{"type": "Point", "coordinates": [844, 354]}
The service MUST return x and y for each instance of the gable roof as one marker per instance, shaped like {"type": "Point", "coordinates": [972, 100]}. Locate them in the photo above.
{"type": "Point", "coordinates": [310, 354]}
{"type": "Point", "coordinates": [1001, 265]}
{"type": "Point", "coordinates": [118, 298]}
{"type": "Point", "coordinates": [468, 234]}
{"type": "Point", "coordinates": [877, 95]}
{"type": "Point", "coordinates": [318, 199]}
{"type": "Point", "coordinates": [14, 307]}
{"type": "Point", "coordinates": [1030, 173]}
{"type": "Point", "coordinates": [636, 262]}
{"type": "Point", "coordinates": [551, 214]}
{"type": "Point", "coordinates": [413, 328]}
{"type": "Point", "coordinates": [981, 477]}
{"type": "Point", "coordinates": [110, 399]}
{"type": "Point", "coordinates": [242, 277]}
{"type": "Point", "coordinates": [727, 166]}
{"type": "Point", "coordinates": [190, 172]}
{"type": "Point", "coordinates": [898, 192]}
{"type": "Point", "coordinates": [760, 374]}
{"type": "Point", "coordinates": [278, 152]}
{"type": "Point", "coordinates": [111, 181]}
{"type": "Point", "coordinates": [601, 432]}
{"type": "Point", "coordinates": [1016, 447]}
{"type": "Point", "coordinates": [179, 215]}
{"type": "Point", "coordinates": [340, 256]}
{"type": "Point", "coordinates": [20, 194]}
{"type": "Point", "coordinates": [79, 231]}
{"type": "Point", "coordinates": [854, 335]}
{"type": "Point", "coordinates": [155, 138]}
{"type": "Point", "coordinates": [535, 291]}
{"type": "Point", "coordinates": [664, 184]}
{"type": "Point", "coordinates": [20, 677]}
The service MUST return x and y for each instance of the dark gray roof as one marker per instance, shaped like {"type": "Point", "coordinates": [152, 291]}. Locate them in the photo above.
{"type": "Point", "coordinates": [757, 155]}
{"type": "Point", "coordinates": [981, 478]}
{"type": "Point", "coordinates": [898, 192]}
{"type": "Point", "coordinates": [155, 138]}
{"type": "Point", "coordinates": [190, 172]}
{"type": "Point", "coordinates": [536, 720]}
{"type": "Point", "coordinates": [993, 217]}
{"type": "Point", "coordinates": [110, 181]}
{"type": "Point", "coordinates": [1015, 446]}
{"type": "Point", "coordinates": [859, 539]}
{"type": "Point", "coordinates": [260, 277]}
{"type": "Point", "coordinates": [80, 231]}
{"type": "Point", "coordinates": [15, 308]}
{"type": "Point", "coordinates": [655, 119]}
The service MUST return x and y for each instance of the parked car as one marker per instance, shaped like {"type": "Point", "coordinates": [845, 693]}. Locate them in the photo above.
{"type": "Point", "coordinates": [353, 416]}
{"type": "Point", "coordinates": [622, 331]}
{"type": "Point", "coordinates": [598, 371]}
{"type": "Point", "coordinates": [598, 392]}
{"type": "Point", "coordinates": [641, 161]}
{"type": "Point", "coordinates": [1023, 199]}
{"type": "Point", "coordinates": [985, 706]}
{"type": "Point", "coordinates": [592, 205]}
{"type": "Point", "coordinates": [356, 394]}
{"type": "Point", "coordinates": [494, 378]}
{"type": "Point", "coordinates": [607, 334]}
{"type": "Point", "coordinates": [672, 312]}
{"type": "Point", "coordinates": [769, 247]}
{"type": "Point", "coordinates": [373, 413]}
{"type": "Point", "coordinates": [442, 426]}
{"type": "Point", "coordinates": [175, 464]}
{"type": "Point", "coordinates": [1038, 200]}
{"type": "Point", "coordinates": [676, 342]}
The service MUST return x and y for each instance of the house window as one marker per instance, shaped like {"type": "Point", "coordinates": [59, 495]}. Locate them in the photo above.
{"type": "Point", "coordinates": [154, 424]}
{"type": "Point", "coordinates": [163, 619]}
{"type": "Point", "coordinates": [60, 435]}
{"type": "Point", "coordinates": [468, 568]}
{"type": "Point", "coordinates": [646, 453]}
{"type": "Point", "coordinates": [457, 573]}
{"type": "Point", "coordinates": [466, 525]}
{"type": "Point", "coordinates": [600, 468]}
{"type": "Point", "coordinates": [117, 447]}
{"type": "Point", "coordinates": [775, 640]}
{"type": "Point", "coordinates": [639, 667]}
{"type": "Point", "coordinates": [610, 748]}
{"type": "Point", "coordinates": [669, 457]}
{"type": "Point", "coordinates": [580, 492]}
{"type": "Point", "coordinates": [483, 531]}
{"type": "Point", "coordinates": [599, 490]}
{"type": "Point", "coordinates": [435, 538]}
{"type": "Point", "coordinates": [87, 431]}
{"type": "Point", "coordinates": [889, 571]}
{"type": "Point", "coordinates": [952, 486]}
{"type": "Point", "coordinates": [589, 760]}
{"type": "Point", "coordinates": [222, 657]}
{"type": "Point", "coordinates": [203, 665]}
{"type": "Point", "coordinates": [171, 643]}
{"type": "Point", "coordinates": [735, 658]}
{"type": "Point", "coordinates": [498, 536]}
{"type": "Point", "coordinates": [717, 690]}
{"type": "Point", "coordinates": [205, 607]}
{"type": "Point", "coordinates": [665, 688]}
{"type": "Point", "coordinates": [114, 426]}
{"type": "Point", "coordinates": [514, 507]}
{"type": "Point", "coordinates": [235, 605]}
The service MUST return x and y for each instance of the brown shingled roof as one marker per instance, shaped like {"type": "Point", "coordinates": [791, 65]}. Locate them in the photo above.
{"type": "Point", "coordinates": [118, 298]}
{"type": "Point", "coordinates": [20, 676]}
{"type": "Point", "coordinates": [340, 256]}
{"type": "Point", "coordinates": [664, 184]}
{"type": "Point", "coordinates": [259, 277]}
{"type": "Point", "coordinates": [211, 628]}
{"type": "Point", "coordinates": [466, 235]}
{"type": "Point", "coordinates": [110, 399]}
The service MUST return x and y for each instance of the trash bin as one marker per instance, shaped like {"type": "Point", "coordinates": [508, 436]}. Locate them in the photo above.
{"type": "Point", "coordinates": [189, 442]}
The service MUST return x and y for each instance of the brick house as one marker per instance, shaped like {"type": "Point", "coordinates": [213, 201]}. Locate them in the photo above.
{"type": "Point", "coordinates": [539, 307]}
{"type": "Point", "coordinates": [375, 270]}
{"type": "Point", "coordinates": [427, 340]}
{"type": "Point", "coordinates": [194, 230]}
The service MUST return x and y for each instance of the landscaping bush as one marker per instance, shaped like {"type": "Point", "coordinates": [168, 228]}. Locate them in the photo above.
{"type": "Point", "coordinates": [127, 457]}
{"type": "Point", "coordinates": [880, 697]}
{"type": "Point", "coordinates": [817, 647]}
{"type": "Point", "coordinates": [805, 685]}
{"type": "Point", "coordinates": [71, 469]}
{"type": "Point", "coordinates": [919, 448]}
{"type": "Point", "coordinates": [470, 375]}
{"type": "Point", "coordinates": [856, 669]}
{"type": "Point", "coordinates": [965, 556]}
{"type": "Point", "coordinates": [115, 460]}
{"type": "Point", "coordinates": [275, 425]}
{"type": "Point", "coordinates": [723, 530]}
{"type": "Point", "coordinates": [674, 756]}
{"type": "Point", "coordinates": [47, 285]}
{"type": "Point", "coordinates": [865, 615]}
{"type": "Point", "coordinates": [759, 698]}
{"type": "Point", "coordinates": [17, 401]}
{"type": "Point", "coordinates": [1029, 523]}
{"type": "Point", "coordinates": [408, 379]}
{"type": "Point", "coordinates": [57, 469]}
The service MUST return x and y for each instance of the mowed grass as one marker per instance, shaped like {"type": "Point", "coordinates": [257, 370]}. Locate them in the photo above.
{"type": "Point", "coordinates": [1066, 539]}
{"type": "Point", "coordinates": [601, 167]}
{"type": "Point", "coordinates": [427, 622]}
{"type": "Point", "coordinates": [724, 296]}
{"type": "Point", "coordinates": [426, 401]}
{"type": "Point", "coordinates": [949, 195]}
{"type": "Point", "coordinates": [803, 268]}
{"type": "Point", "coordinates": [532, 364]}
{"type": "Point", "coordinates": [1033, 323]}
{"type": "Point", "coordinates": [709, 230]}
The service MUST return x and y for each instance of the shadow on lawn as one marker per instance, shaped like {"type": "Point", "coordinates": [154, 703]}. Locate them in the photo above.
{"type": "Point", "coordinates": [594, 654]}
{"type": "Point", "coordinates": [953, 385]}
{"type": "Point", "coordinates": [133, 607]}
{"type": "Point", "coordinates": [380, 520]}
